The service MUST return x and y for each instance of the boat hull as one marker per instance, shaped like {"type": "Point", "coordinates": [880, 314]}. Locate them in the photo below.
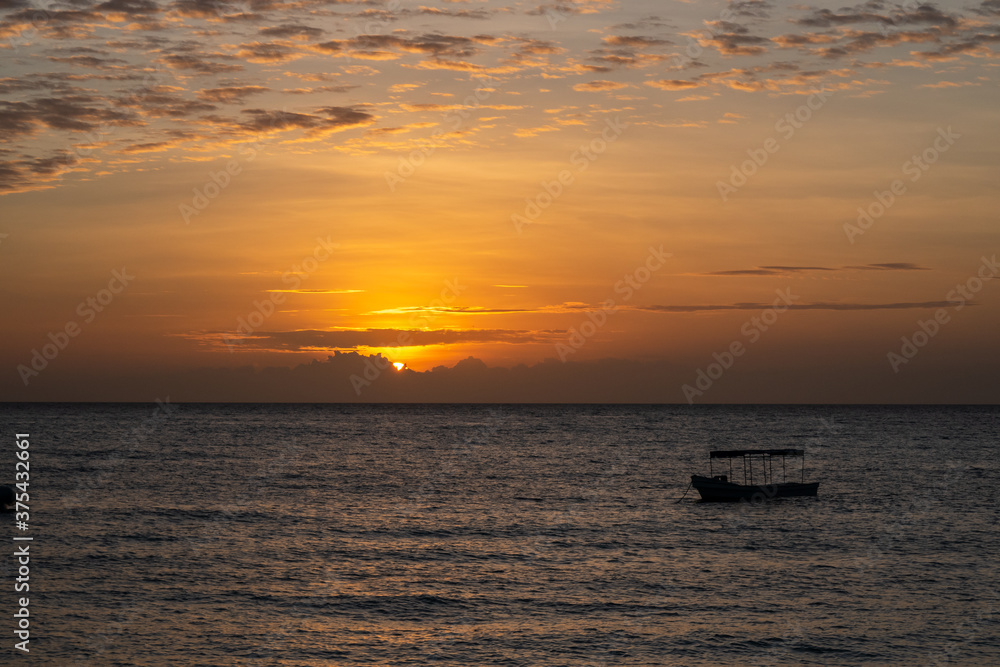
{"type": "Point", "coordinates": [714, 490]}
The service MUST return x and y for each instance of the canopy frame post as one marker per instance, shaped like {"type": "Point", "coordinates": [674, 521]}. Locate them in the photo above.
{"type": "Point", "coordinates": [766, 459]}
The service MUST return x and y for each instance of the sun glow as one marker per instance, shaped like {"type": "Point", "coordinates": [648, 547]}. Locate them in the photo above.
{"type": "Point", "coordinates": [399, 365]}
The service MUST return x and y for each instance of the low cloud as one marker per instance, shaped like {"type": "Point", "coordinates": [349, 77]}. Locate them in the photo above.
{"type": "Point", "coordinates": [599, 85]}
{"type": "Point", "coordinates": [348, 339]}
{"type": "Point", "coordinates": [784, 270]}
{"type": "Point", "coordinates": [821, 305]}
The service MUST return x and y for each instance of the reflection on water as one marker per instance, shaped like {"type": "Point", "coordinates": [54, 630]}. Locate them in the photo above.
{"type": "Point", "coordinates": [531, 535]}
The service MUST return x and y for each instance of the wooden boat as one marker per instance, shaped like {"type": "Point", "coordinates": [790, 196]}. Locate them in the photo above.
{"type": "Point", "coordinates": [719, 488]}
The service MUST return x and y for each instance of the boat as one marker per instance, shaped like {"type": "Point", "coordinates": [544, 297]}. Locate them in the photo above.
{"type": "Point", "coordinates": [720, 488]}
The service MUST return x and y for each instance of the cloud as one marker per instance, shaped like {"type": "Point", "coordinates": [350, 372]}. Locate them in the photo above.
{"type": "Point", "coordinates": [804, 39]}
{"type": "Point", "coordinates": [347, 339]}
{"type": "Point", "coordinates": [61, 24]}
{"type": "Point", "coordinates": [767, 271]}
{"type": "Point", "coordinates": [599, 85]}
{"type": "Point", "coordinates": [948, 84]}
{"type": "Point", "coordinates": [352, 377]}
{"type": "Point", "coordinates": [476, 14]}
{"type": "Point", "coordinates": [317, 291]}
{"type": "Point", "coordinates": [291, 31]}
{"type": "Point", "coordinates": [890, 266]}
{"type": "Point", "coordinates": [901, 305]}
{"type": "Point", "coordinates": [150, 147]}
{"type": "Point", "coordinates": [90, 62]}
{"type": "Point", "coordinates": [674, 84]}
{"type": "Point", "coordinates": [784, 270]}
{"type": "Point", "coordinates": [156, 66]}
{"type": "Point", "coordinates": [449, 310]}
{"type": "Point", "coordinates": [732, 39]}
{"type": "Point", "coordinates": [989, 8]}
{"type": "Point", "coordinates": [382, 47]}
{"type": "Point", "coordinates": [267, 52]}
{"type": "Point", "coordinates": [22, 175]}
{"type": "Point", "coordinates": [71, 112]}
{"type": "Point", "coordinates": [634, 41]}
{"type": "Point", "coordinates": [163, 102]}
{"type": "Point", "coordinates": [197, 64]}
{"type": "Point", "coordinates": [231, 94]}
{"type": "Point", "coordinates": [128, 9]}
{"type": "Point", "coordinates": [757, 9]}
{"type": "Point", "coordinates": [343, 377]}
{"type": "Point", "coordinates": [317, 125]}
{"type": "Point", "coordinates": [922, 14]}
{"type": "Point", "coordinates": [780, 78]}
{"type": "Point", "coordinates": [537, 47]}
{"type": "Point", "coordinates": [975, 45]}
{"type": "Point", "coordinates": [562, 8]}
{"type": "Point", "coordinates": [343, 88]}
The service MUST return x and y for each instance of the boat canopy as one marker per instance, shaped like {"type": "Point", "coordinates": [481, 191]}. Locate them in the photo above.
{"type": "Point", "coordinates": [736, 453]}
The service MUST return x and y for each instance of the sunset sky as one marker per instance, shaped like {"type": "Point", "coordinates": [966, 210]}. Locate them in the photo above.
{"type": "Point", "coordinates": [593, 183]}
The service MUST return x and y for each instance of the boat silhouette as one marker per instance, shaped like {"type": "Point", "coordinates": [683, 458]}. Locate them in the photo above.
{"type": "Point", "coordinates": [719, 488]}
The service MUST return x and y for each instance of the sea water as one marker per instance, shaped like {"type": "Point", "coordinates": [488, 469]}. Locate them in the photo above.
{"type": "Point", "coordinates": [502, 535]}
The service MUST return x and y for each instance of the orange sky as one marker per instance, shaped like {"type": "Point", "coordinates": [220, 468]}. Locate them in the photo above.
{"type": "Point", "coordinates": [438, 181]}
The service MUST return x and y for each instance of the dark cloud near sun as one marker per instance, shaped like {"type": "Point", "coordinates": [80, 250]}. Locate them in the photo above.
{"type": "Point", "coordinates": [305, 340]}
{"type": "Point", "coordinates": [350, 377]}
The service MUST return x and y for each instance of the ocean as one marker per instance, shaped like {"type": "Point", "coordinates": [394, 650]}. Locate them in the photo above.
{"type": "Point", "coordinates": [501, 535]}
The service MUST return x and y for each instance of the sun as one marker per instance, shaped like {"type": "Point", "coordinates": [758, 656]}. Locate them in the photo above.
{"type": "Point", "coordinates": [399, 365]}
